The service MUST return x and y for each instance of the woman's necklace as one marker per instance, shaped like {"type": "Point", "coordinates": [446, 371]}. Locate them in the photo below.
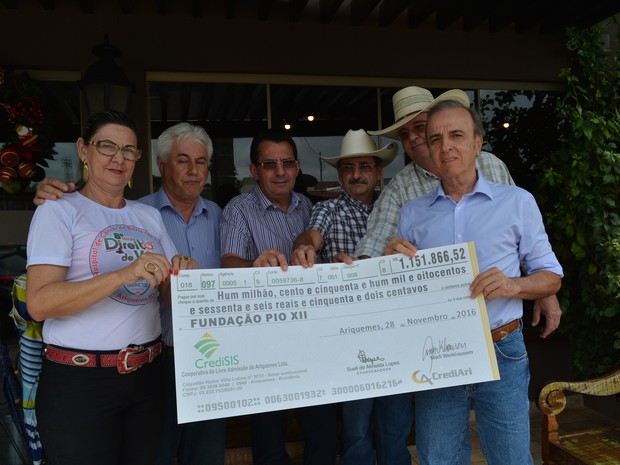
{"type": "Point", "coordinates": [113, 203]}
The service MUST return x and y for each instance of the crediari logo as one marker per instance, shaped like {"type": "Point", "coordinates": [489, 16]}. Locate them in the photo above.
{"type": "Point", "coordinates": [420, 379]}
{"type": "Point", "coordinates": [207, 345]}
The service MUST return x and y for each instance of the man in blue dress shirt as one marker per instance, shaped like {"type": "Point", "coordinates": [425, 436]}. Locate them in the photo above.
{"type": "Point", "coordinates": [506, 226]}
{"type": "Point", "coordinates": [193, 223]}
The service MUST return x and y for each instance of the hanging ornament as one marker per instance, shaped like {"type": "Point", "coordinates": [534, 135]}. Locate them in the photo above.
{"type": "Point", "coordinates": [9, 157]}
{"type": "Point", "coordinates": [24, 130]}
{"type": "Point", "coordinates": [26, 170]}
{"type": "Point", "coordinates": [7, 175]}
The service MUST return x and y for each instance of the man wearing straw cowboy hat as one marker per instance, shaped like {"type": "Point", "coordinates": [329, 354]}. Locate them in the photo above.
{"type": "Point", "coordinates": [411, 106]}
{"type": "Point", "coordinates": [335, 227]}
{"type": "Point", "coordinates": [338, 224]}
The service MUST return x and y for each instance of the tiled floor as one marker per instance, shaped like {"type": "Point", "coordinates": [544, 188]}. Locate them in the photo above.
{"type": "Point", "coordinates": [576, 416]}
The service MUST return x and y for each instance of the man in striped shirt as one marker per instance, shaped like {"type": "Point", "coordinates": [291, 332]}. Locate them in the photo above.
{"type": "Point", "coordinates": [258, 229]}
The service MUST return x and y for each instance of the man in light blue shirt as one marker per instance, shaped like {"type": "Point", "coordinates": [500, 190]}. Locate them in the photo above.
{"type": "Point", "coordinates": [193, 223]}
{"type": "Point", "coordinates": [506, 226]}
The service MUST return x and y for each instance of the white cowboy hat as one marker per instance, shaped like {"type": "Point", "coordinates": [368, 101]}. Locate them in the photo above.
{"type": "Point", "coordinates": [411, 101]}
{"type": "Point", "coordinates": [359, 144]}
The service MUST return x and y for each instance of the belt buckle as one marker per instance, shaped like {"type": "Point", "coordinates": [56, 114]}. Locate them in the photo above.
{"type": "Point", "coordinates": [121, 360]}
{"type": "Point", "coordinates": [151, 351]}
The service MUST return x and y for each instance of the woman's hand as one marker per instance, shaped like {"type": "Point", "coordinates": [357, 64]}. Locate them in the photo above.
{"type": "Point", "coordinates": [183, 262]}
{"type": "Point", "coordinates": [179, 262]}
{"type": "Point", "coordinates": [153, 267]}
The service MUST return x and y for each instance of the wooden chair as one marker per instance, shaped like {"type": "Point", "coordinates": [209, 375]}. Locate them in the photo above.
{"type": "Point", "coordinates": [600, 446]}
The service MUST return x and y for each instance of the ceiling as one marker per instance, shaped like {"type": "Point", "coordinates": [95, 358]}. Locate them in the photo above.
{"type": "Point", "coordinates": [546, 16]}
{"type": "Point", "coordinates": [228, 109]}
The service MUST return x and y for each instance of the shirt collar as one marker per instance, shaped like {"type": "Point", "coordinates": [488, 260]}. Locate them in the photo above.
{"type": "Point", "coordinates": [163, 201]}
{"type": "Point", "coordinates": [265, 203]}
{"type": "Point", "coordinates": [423, 172]}
{"type": "Point", "coordinates": [482, 187]}
{"type": "Point", "coordinates": [356, 203]}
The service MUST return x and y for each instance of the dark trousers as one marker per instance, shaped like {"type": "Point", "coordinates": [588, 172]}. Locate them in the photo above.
{"type": "Point", "coordinates": [196, 443]}
{"type": "Point", "coordinates": [97, 416]}
{"type": "Point", "coordinates": [318, 427]}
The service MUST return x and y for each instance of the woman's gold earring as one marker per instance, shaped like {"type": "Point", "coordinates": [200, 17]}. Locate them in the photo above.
{"type": "Point", "coordinates": [85, 172]}
{"type": "Point", "coordinates": [130, 182]}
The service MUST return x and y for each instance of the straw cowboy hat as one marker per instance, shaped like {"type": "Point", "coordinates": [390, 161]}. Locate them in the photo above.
{"type": "Point", "coordinates": [410, 102]}
{"type": "Point", "coordinates": [359, 144]}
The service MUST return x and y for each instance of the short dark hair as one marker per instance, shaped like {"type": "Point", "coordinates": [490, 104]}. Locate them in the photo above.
{"type": "Point", "coordinates": [102, 118]}
{"type": "Point", "coordinates": [270, 135]}
{"type": "Point", "coordinates": [475, 116]}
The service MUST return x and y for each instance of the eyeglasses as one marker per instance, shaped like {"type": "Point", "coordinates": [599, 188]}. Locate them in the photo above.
{"type": "Point", "coordinates": [418, 128]}
{"type": "Point", "coordinates": [271, 165]}
{"type": "Point", "coordinates": [109, 149]}
{"type": "Point", "coordinates": [348, 168]}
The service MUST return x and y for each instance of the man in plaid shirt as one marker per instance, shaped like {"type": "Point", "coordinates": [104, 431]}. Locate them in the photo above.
{"type": "Point", "coordinates": [338, 224]}
{"type": "Point", "coordinates": [335, 228]}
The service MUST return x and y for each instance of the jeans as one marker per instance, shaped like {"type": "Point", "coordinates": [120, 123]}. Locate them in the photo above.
{"type": "Point", "coordinates": [392, 417]}
{"type": "Point", "coordinates": [502, 413]}
{"type": "Point", "coordinates": [196, 443]}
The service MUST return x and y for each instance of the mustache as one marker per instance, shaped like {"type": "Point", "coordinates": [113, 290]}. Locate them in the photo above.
{"type": "Point", "coordinates": [357, 181]}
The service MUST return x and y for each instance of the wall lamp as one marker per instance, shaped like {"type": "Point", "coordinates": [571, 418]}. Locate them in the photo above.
{"type": "Point", "coordinates": [105, 84]}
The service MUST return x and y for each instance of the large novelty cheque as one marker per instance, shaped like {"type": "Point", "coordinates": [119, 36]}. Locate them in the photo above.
{"type": "Point", "coordinates": [250, 340]}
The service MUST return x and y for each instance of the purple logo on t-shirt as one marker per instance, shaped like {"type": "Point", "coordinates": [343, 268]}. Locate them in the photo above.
{"type": "Point", "coordinates": [118, 246]}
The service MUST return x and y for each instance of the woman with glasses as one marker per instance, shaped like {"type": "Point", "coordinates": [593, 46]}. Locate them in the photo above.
{"type": "Point", "coordinates": [96, 266]}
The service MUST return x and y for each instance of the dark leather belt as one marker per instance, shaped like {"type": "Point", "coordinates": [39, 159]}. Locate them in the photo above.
{"type": "Point", "coordinates": [126, 360]}
{"type": "Point", "coordinates": [500, 333]}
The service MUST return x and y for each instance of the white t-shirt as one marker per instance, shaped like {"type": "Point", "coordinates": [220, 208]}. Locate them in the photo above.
{"type": "Point", "coordinates": [90, 239]}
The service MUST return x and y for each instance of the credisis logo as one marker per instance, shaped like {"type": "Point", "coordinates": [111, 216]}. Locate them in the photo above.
{"type": "Point", "coordinates": [207, 345]}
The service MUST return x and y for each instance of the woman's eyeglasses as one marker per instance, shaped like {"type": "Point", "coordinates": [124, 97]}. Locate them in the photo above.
{"type": "Point", "coordinates": [108, 148]}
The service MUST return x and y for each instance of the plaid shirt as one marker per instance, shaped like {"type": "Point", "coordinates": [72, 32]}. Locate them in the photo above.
{"type": "Point", "coordinates": [409, 183]}
{"type": "Point", "coordinates": [341, 222]}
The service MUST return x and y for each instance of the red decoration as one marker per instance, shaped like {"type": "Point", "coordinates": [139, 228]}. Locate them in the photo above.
{"type": "Point", "coordinates": [39, 174]}
{"type": "Point", "coordinates": [25, 131]}
{"type": "Point", "coordinates": [7, 175]}
{"type": "Point", "coordinates": [26, 170]}
{"type": "Point", "coordinates": [9, 157]}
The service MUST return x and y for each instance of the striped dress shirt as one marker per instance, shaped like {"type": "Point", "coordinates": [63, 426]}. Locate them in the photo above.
{"type": "Point", "coordinates": [251, 224]}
